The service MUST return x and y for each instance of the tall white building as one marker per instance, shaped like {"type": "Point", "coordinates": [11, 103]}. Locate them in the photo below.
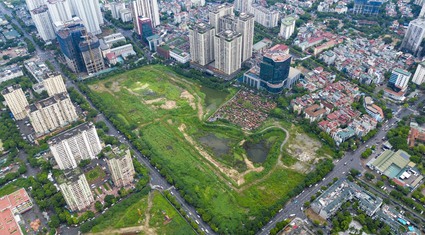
{"type": "Point", "coordinates": [54, 84]}
{"type": "Point", "coordinates": [75, 190]}
{"type": "Point", "coordinates": [415, 33]}
{"type": "Point", "coordinates": [145, 8]}
{"type": "Point", "coordinates": [16, 101]}
{"type": "Point", "coordinates": [419, 76]}
{"type": "Point", "coordinates": [115, 9]}
{"type": "Point", "coordinates": [264, 16]}
{"type": "Point", "coordinates": [43, 23]}
{"type": "Point", "coordinates": [245, 26]}
{"type": "Point", "coordinates": [89, 12]}
{"type": "Point", "coordinates": [242, 5]}
{"type": "Point", "coordinates": [219, 12]}
{"type": "Point", "coordinates": [228, 51]}
{"type": "Point", "coordinates": [51, 113]}
{"type": "Point", "coordinates": [121, 166]}
{"type": "Point", "coordinates": [287, 27]}
{"type": "Point", "coordinates": [59, 10]}
{"type": "Point", "coordinates": [201, 40]}
{"type": "Point", "coordinates": [422, 13]}
{"type": "Point", "coordinates": [74, 145]}
{"type": "Point", "coordinates": [399, 79]}
{"type": "Point", "coordinates": [198, 3]}
{"type": "Point", "coordinates": [32, 4]}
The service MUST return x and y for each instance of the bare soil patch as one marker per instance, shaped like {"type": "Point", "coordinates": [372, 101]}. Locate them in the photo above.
{"type": "Point", "coordinates": [303, 147]}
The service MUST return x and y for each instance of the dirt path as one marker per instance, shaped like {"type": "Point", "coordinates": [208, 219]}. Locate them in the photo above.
{"type": "Point", "coordinates": [148, 210]}
{"type": "Point", "coordinates": [279, 162]}
{"type": "Point", "coordinates": [135, 229]}
{"type": "Point", "coordinates": [239, 178]}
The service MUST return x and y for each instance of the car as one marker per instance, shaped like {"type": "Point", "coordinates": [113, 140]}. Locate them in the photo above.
{"type": "Point", "coordinates": [292, 215]}
{"type": "Point", "coordinates": [345, 163]}
{"type": "Point", "coordinates": [324, 179]}
{"type": "Point", "coordinates": [351, 159]}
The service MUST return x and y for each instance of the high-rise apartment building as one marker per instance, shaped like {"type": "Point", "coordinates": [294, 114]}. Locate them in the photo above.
{"type": "Point", "coordinates": [228, 51]}
{"type": "Point", "coordinates": [32, 4]}
{"type": "Point", "coordinates": [43, 23]}
{"type": "Point", "coordinates": [74, 145]}
{"type": "Point", "coordinates": [121, 166]}
{"type": "Point", "coordinates": [49, 114]}
{"type": "Point", "coordinates": [69, 38]}
{"type": "Point", "coordinates": [419, 76]}
{"type": "Point", "coordinates": [264, 16]}
{"type": "Point", "coordinates": [53, 82]}
{"type": "Point", "coordinates": [89, 12]}
{"type": "Point", "coordinates": [414, 36]}
{"type": "Point", "coordinates": [75, 189]}
{"type": "Point", "coordinates": [287, 27]}
{"type": "Point", "coordinates": [219, 12]}
{"type": "Point", "coordinates": [201, 40]}
{"type": "Point", "coordinates": [115, 9]}
{"type": "Point", "coordinates": [146, 29]}
{"type": "Point", "coordinates": [59, 10]}
{"type": "Point", "coordinates": [242, 5]}
{"type": "Point", "coordinates": [245, 26]}
{"type": "Point", "coordinates": [145, 8]}
{"type": "Point", "coordinates": [274, 70]}
{"type": "Point", "coordinates": [399, 79]}
{"type": "Point", "coordinates": [91, 53]}
{"type": "Point", "coordinates": [16, 101]}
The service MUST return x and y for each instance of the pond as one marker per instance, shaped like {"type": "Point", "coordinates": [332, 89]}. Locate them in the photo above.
{"type": "Point", "coordinates": [256, 152]}
{"type": "Point", "coordinates": [213, 98]}
{"type": "Point", "coordinates": [218, 145]}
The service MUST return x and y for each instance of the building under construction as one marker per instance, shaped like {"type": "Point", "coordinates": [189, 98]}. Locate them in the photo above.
{"type": "Point", "coordinates": [80, 49]}
{"type": "Point", "coordinates": [92, 56]}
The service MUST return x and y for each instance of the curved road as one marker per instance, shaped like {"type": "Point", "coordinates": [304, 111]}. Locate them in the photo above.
{"type": "Point", "coordinates": [349, 161]}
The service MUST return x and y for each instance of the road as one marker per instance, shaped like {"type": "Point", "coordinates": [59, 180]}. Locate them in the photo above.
{"type": "Point", "coordinates": [351, 160]}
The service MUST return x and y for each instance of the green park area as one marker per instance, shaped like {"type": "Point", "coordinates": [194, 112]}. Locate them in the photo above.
{"type": "Point", "coordinates": [95, 174]}
{"type": "Point", "coordinates": [149, 214]}
{"type": "Point", "coordinates": [236, 178]}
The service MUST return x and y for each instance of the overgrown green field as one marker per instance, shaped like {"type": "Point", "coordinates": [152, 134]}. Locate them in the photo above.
{"type": "Point", "coordinates": [160, 217]}
{"type": "Point", "coordinates": [164, 113]}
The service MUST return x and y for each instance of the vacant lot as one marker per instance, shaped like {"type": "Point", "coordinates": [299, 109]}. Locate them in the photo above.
{"type": "Point", "coordinates": [152, 214]}
{"type": "Point", "coordinates": [215, 165]}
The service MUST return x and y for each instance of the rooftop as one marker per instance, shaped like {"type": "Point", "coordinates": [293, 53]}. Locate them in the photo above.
{"type": "Point", "coordinates": [117, 152]}
{"type": "Point", "coordinates": [278, 57]}
{"type": "Point", "coordinates": [69, 175]}
{"type": "Point", "coordinates": [71, 132]}
{"type": "Point", "coordinates": [228, 35]}
{"type": "Point", "coordinates": [391, 163]}
{"type": "Point", "coordinates": [10, 89]}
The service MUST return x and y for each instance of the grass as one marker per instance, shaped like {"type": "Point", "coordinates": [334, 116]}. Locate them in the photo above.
{"type": "Point", "coordinates": [226, 208]}
{"type": "Point", "coordinates": [13, 186]}
{"type": "Point", "coordinates": [136, 215]}
{"type": "Point", "coordinates": [95, 174]}
{"type": "Point", "coordinates": [160, 211]}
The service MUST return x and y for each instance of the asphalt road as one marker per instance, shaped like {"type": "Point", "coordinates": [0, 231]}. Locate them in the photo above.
{"type": "Point", "coordinates": [351, 160]}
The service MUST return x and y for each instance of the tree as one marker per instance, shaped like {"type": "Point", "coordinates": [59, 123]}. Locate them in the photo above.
{"type": "Point", "coordinates": [98, 206]}
{"type": "Point", "coordinates": [369, 176]}
{"type": "Point", "coordinates": [54, 221]}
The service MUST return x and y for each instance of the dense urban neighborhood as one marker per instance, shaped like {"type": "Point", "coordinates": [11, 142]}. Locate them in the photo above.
{"type": "Point", "coordinates": [212, 117]}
